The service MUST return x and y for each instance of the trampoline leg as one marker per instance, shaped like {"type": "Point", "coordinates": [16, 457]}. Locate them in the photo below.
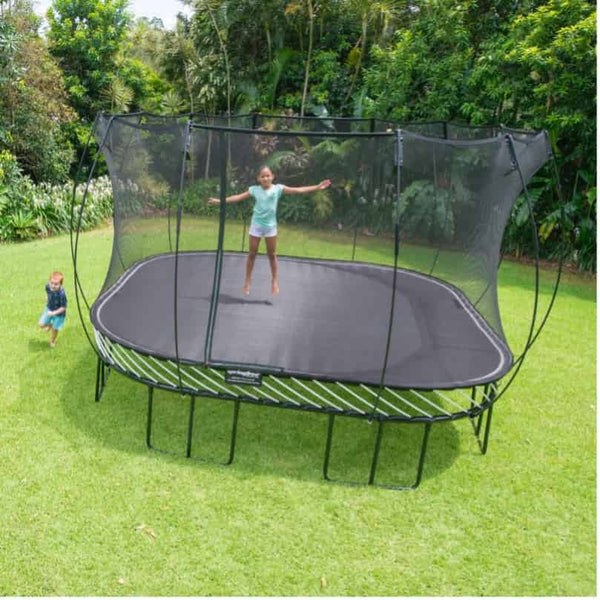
{"type": "Point", "coordinates": [486, 435]}
{"type": "Point", "coordinates": [375, 459]}
{"type": "Point", "coordinates": [420, 465]}
{"type": "Point", "coordinates": [376, 453]}
{"type": "Point", "coordinates": [328, 448]}
{"type": "Point", "coordinates": [236, 412]}
{"type": "Point", "coordinates": [149, 420]}
{"type": "Point", "coordinates": [422, 457]}
{"type": "Point", "coordinates": [483, 446]}
{"type": "Point", "coordinates": [486, 390]}
{"type": "Point", "coordinates": [188, 448]}
{"type": "Point", "coordinates": [190, 430]}
{"type": "Point", "coordinates": [100, 378]}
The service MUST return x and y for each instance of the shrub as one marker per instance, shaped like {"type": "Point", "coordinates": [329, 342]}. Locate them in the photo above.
{"type": "Point", "coordinates": [28, 210]}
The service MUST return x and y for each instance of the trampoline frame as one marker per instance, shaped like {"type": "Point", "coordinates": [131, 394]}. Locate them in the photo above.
{"type": "Point", "coordinates": [489, 393]}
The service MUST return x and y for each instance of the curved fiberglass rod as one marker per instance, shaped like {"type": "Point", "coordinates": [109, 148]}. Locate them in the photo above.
{"type": "Point", "coordinates": [75, 246]}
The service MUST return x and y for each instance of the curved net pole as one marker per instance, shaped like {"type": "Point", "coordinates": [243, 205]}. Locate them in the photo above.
{"type": "Point", "coordinates": [186, 144]}
{"type": "Point", "coordinates": [560, 262]}
{"type": "Point", "coordinates": [116, 214]}
{"type": "Point", "coordinates": [530, 336]}
{"type": "Point", "coordinates": [75, 244]}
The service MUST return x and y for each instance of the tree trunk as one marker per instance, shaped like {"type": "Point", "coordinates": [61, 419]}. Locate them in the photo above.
{"type": "Point", "coordinates": [308, 56]}
{"type": "Point", "coordinates": [268, 33]}
{"type": "Point", "coordinates": [363, 49]}
{"type": "Point", "coordinates": [225, 56]}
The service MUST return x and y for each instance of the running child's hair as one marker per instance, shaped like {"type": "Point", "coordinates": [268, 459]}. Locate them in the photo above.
{"type": "Point", "coordinates": [57, 275]}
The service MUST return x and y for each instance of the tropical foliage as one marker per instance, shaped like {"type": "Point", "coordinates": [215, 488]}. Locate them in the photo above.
{"type": "Point", "coordinates": [523, 64]}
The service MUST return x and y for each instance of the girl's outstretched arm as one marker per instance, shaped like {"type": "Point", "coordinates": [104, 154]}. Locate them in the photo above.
{"type": "Point", "coordinates": [234, 198]}
{"type": "Point", "coordinates": [306, 189]}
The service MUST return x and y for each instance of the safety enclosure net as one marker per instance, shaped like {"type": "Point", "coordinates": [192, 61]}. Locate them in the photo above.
{"type": "Point", "coordinates": [389, 275]}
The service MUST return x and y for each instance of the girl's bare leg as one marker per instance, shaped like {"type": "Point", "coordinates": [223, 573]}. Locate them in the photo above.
{"type": "Point", "coordinates": [253, 249]}
{"type": "Point", "coordinates": [271, 253]}
{"type": "Point", "coordinates": [53, 337]}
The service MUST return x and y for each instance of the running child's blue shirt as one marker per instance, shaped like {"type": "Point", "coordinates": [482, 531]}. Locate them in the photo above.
{"type": "Point", "coordinates": [265, 204]}
{"type": "Point", "coordinates": [56, 299]}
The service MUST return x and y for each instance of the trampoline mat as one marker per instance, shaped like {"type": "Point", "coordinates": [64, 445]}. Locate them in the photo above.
{"type": "Point", "coordinates": [329, 321]}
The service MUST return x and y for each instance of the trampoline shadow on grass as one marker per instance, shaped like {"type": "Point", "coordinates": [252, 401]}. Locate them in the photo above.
{"type": "Point", "coordinates": [278, 443]}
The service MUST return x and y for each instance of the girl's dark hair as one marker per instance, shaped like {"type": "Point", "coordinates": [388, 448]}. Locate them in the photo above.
{"type": "Point", "coordinates": [264, 167]}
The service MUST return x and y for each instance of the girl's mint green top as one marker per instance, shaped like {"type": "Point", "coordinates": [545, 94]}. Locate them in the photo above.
{"type": "Point", "coordinates": [265, 204]}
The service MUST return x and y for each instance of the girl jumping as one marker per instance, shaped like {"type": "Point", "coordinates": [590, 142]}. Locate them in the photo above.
{"type": "Point", "coordinates": [264, 218]}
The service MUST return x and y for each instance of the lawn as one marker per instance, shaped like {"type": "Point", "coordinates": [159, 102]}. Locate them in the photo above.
{"type": "Point", "coordinates": [87, 510]}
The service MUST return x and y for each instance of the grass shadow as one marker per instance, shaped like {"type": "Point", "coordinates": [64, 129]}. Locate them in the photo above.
{"type": "Point", "coordinates": [270, 442]}
{"type": "Point", "coordinates": [40, 344]}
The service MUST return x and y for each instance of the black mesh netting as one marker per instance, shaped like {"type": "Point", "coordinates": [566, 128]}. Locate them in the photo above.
{"type": "Point", "coordinates": [388, 275]}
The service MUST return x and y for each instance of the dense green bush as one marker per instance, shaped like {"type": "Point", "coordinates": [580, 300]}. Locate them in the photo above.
{"type": "Point", "coordinates": [28, 210]}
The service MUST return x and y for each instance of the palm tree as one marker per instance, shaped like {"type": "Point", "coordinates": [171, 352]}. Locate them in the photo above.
{"type": "Point", "coordinates": [119, 94]}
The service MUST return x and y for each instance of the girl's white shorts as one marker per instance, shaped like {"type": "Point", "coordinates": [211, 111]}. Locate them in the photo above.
{"type": "Point", "coordinates": [260, 231]}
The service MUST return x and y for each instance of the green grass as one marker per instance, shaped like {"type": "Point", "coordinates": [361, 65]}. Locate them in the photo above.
{"type": "Point", "coordinates": [86, 509]}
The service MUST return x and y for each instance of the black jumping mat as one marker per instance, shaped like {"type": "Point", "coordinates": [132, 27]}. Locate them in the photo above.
{"type": "Point", "coordinates": [330, 321]}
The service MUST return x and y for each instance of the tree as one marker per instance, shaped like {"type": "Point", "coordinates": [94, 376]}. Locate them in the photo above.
{"type": "Point", "coordinates": [33, 100]}
{"type": "Point", "coordinates": [423, 74]}
{"type": "Point", "coordinates": [542, 75]}
{"type": "Point", "coordinates": [85, 36]}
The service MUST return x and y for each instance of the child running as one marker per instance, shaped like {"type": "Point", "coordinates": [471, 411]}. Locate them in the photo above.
{"type": "Point", "coordinates": [53, 317]}
{"type": "Point", "coordinates": [264, 218]}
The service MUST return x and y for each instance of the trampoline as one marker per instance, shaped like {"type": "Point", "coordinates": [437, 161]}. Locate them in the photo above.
{"type": "Point", "coordinates": [378, 334]}
{"type": "Point", "coordinates": [440, 341]}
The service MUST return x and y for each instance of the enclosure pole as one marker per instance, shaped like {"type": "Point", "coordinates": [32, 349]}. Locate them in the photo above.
{"type": "Point", "coordinates": [399, 160]}
{"type": "Point", "coordinates": [219, 259]}
{"type": "Point", "coordinates": [531, 337]}
{"type": "Point", "coordinates": [243, 233]}
{"type": "Point", "coordinates": [354, 241]}
{"type": "Point", "coordinates": [186, 143]}
{"type": "Point", "coordinates": [75, 243]}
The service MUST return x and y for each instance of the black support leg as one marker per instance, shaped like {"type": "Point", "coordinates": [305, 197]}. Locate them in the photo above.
{"type": "Point", "coordinates": [371, 481]}
{"type": "Point", "coordinates": [422, 457]}
{"type": "Point", "coordinates": [490, 394]}
{"type": "Point", "coordinates": [188, 448]}
{"type": "Point", "coordinates": [149, 419]}
{"type": "Point", "coordinates": [486, 435]}
{"type": "Point", "coordinates": [376, 453]}
{"type": "Point", "coordinates": [190, 430]}
{"type": "Point", "coordinates": [236, 412]}
{"type": "Point", "coordinates": [100, 379]}
{"type": "Point", "coordinates": [486, 391]}
{"type": "Point", "coordinates": [328, 447]}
